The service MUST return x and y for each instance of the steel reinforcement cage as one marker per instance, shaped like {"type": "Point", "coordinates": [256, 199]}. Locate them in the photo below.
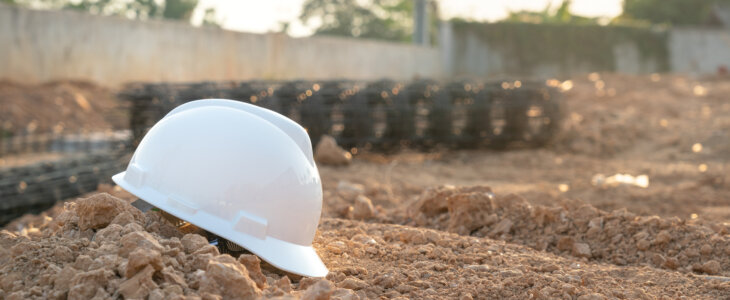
{"type": "Point", "coordinates": [382, 114]}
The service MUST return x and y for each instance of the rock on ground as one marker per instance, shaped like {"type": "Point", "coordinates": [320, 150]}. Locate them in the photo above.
{"type": "Point", "coordinates": [328, 152]}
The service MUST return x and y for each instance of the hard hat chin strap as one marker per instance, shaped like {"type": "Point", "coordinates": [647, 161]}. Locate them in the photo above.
{"type": "Point", "coordinates": [224, 246]}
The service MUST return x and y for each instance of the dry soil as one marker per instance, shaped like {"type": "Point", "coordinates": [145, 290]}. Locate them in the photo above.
{"type": "Point", "coordinates": [520, 223]}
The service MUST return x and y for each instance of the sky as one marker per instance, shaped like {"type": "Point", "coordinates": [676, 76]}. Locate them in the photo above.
{"type": "Point", "coordinates": [261, 16]}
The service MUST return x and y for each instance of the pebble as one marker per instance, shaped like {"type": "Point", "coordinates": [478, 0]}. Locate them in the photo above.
{"type": "Point", "coordinates": [328, 152]}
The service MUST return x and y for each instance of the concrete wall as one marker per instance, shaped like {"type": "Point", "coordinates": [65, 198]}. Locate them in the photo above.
{"type": "Point", "coordinates": [498, 50]}
{"type": "Point", "coordinates": [699, 51]}
{"type": "Point", "coordinates": [46, 45]}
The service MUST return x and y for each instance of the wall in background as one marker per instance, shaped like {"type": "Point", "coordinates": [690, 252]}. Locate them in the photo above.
{"type": "Point", "coordinates": [45, 45]}
{"type": "Point", "coordinates": [699, 51]}
{"type": "Point", "coordinates": [38, 46]}
{"type": "Point", "coordinates": [543, 50]}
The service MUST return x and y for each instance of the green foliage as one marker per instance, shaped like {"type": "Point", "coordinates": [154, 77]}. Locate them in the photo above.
{"type": "Point", "coordinates": [670, 12]}
{"type": "Point", "coordinates": [137, 9]}
{"type": "Point", "coordinates": [377, 19]}
{"type": "Point", "coordinates": [527, 45]}
{"type": "Point", "coordinates": [179, 9]}
{"type": "Point", "coordinates": [210, 18]}
{"type": "Point", "coordinates": [549, 15]}
{"type": "Point", "coordinates": [132, 9]}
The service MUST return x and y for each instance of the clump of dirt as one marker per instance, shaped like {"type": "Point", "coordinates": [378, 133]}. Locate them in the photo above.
{"type": "Point", "coordinates": [102, 247]}
{"type": "Point", "coordinates": [59, 107]}
{"type": "Point", "coordinates": [619, 237]}
{"type": "Point", "coordinates": [329, 153]}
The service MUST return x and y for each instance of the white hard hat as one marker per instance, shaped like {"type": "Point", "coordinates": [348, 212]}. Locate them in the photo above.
{"type": "Point", "coordinates": [239, 171]}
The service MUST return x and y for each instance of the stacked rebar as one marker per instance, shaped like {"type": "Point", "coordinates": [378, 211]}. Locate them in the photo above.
{"type": "Point", "coordinates": [383, 114]}
{"type": "Point", "coordinates": [35, 187]}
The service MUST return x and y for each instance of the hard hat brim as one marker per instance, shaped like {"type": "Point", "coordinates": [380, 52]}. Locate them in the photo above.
{"type": "Point", "coordinates": [293, 258]}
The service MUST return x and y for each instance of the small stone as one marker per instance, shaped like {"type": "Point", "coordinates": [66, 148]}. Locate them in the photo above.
{"type": "Point", "coordinates": [549, 268]}
{"type": "Point", "coordinates": [284, 283]}
{"type": "Point", "coordinates": [706, 250]}
{"type": "Point", "coordinates": [565, 243]}
{"type": "Point", "coordinates": [711, 267]}
{"type": "Point", "coordinates": [172, 289]}
{"type": "Point", "coordinates": [192, 242]}
{"type": "Point", "coordinates": [328, 152]}
{"type": "Point", "coordinates": [156, 294]}
{"type": "Point", "coordinates": [138, 239]}
{"type": "Point", "coordinates": [432, 201]}
{"type": "Point", "coordinates": [140, 285]}
{"type": "Point", "coordinates": [132, 227]}
{"type": "Point", "coordinates": [200, 261]}
{"type": "Point", "coordinates": [227, 277]}
{"type": "Point", "coordinates": [594, 296]}
{"type": "Point", "coordinates": [662, 238]}
{"type": "Point", "coordinates": [352, 284]}
{"type": "Point", "coordinates": [253, 266]}
{"type": "Point", "coordinates": [671, 263]}
{"type": "Point", "coordinates": [321, 290]}
{"type": "Point", "coordinates": [173, 277]}
{"type": "Point", "coordinates": [363, 208]}
{"type": "Point", "coordinates": [99, 210]}
{"type": "Point", "coordinates": [207, 249]}
{"type": "Point", "coordinates": [349, 187]}
{"type": "Point", "coordinates": [504, 226]}
{"type": "Point", "coordinates": [471, 211]}
{"type": "Point", "coordinates": [63, 254]}
{"type": "Point", "coordinates": [83, 262]}
{"type": "Point", "coordinates": [140, 259]}
{"type": "Point", "coordinates": [111, 233]}
{"type": "Point", "coordinates": [643, 244]}
{"type": "Point", "coordinates": [478, 268]}
{"type": "Point", "coordinates": [336, 247]}
{"type": "Point", "coordinates": [85, 285]}
{"type": "Point", "coordinates": [657, 259]}
{"type": "Point", "coordinates": [413, 236]}
{"type": "Point", "coordinates": [62, 280]}
{"type": "Point", "coordinates": [105, 261]}
{"type": "Point", "coordinates": [581, 250]}
{"type": "Point", "coordinates": [344, 294]}
{"type": "Point", "coordinates": [123, 219]}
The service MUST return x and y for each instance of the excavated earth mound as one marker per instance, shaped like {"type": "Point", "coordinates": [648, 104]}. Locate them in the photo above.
{"type": "Point", "coordinates": [103, 247]}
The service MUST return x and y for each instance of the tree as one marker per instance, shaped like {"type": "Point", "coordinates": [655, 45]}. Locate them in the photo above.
{"type": "Point", "coordinates": [132, 9]}
{"type": "Point", "coordinates": [180, 9]}
{"type": "Point", "coordinates": [549, 15]}
{"type": "Point", "coordinates": [671, 12]}
{"type": "Point", "coordinates": [377, 19]}
{"type": "Point", "coordinates": [210, 18]}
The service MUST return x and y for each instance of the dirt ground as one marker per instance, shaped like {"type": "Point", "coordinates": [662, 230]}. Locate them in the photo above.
{"type": "Point", "coordinates": [58, 107]}
{"type": "Point", "coordinates": [522, 223]}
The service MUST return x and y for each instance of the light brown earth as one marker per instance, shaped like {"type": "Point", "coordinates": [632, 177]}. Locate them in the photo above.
{"type": "Point", "coordinates": [516, 224]}
{"type": "Point", "coordinates": [59, 107]}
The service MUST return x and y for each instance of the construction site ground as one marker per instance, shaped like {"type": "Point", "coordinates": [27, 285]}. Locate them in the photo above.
{"type": "Point", "coordinates": [546, 223]}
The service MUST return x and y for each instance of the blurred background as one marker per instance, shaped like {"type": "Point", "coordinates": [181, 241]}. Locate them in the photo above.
{"type": "Point", "coordinates": [115, 42]}
{"type": "Point", "coordinates": [619, 103]}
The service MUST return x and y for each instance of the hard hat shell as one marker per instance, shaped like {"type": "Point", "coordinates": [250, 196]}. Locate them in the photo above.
{"type": "Point", "coordinates": [239, 171]}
